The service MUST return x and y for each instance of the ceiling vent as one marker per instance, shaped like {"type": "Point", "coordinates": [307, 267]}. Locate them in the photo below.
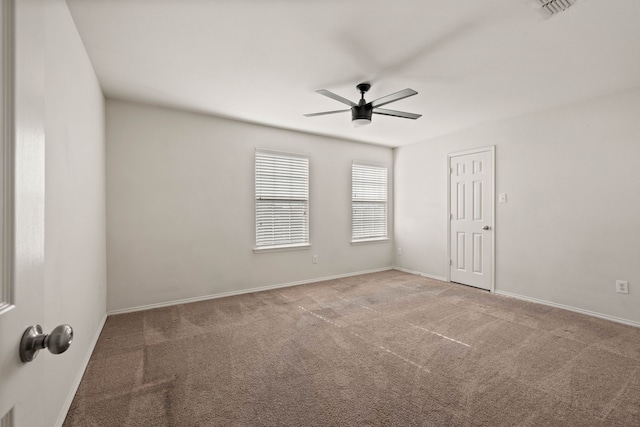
{"type": "Point", "coordinates": [549, 8]}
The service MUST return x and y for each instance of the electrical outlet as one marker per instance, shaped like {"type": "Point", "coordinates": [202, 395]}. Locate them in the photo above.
{"type": "Point", "coordinates": [314, 259]}
{"type": "Point", "coordinates": [622, 286]}
{"type": "Point", "coordinates": [399, 251]}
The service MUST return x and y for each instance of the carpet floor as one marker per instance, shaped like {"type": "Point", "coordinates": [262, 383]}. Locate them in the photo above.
{"type": "Point", "coordinates": [382, 349]}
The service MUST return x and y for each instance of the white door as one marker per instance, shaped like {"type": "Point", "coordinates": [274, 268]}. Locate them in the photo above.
{"type": "Point", "coordinates": [471, 218]}
{"type": "Point", "coordinates": [22, 209]}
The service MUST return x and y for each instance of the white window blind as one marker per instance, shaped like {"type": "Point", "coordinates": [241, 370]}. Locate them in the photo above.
{"type": "Point", "coordinates": [368, 202]}
{"type": "Point", "coordinates": [282, 199]}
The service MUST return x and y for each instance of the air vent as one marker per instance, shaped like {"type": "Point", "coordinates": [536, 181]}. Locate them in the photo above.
{"type": "Point", "coordinates": [552, 7]}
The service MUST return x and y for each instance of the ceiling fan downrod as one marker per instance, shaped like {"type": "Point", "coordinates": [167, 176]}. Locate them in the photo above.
{"type": "Point", "coordinates": [363, 88]}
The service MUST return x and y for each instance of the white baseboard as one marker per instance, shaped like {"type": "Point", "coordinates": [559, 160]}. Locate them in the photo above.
{"type": "Point", "coordinates": [537, 301]}
{"type": "Point", "coordinates": [570, 308]}
{"type": "Point", "coordinates": [241, 291]}
{"type": "Point", "coordinates": [419, 273]}
{"type": "Point", "coordinates": [72, 393]}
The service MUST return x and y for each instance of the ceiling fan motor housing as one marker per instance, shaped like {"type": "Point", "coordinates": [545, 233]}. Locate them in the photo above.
{"type": "Point", "coordinates": [361, 112]}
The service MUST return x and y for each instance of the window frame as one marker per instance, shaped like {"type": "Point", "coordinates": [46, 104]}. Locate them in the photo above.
{"type": "Point", "coordinates": [290, 245]}
{"type": "Point", "coordinates": [385, 203]}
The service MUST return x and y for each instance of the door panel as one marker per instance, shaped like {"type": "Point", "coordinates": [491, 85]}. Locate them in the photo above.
{"type": "Point", "coordinates": [477, 200]}
{"type": "Point", "coordinates": [461, 252]}
{"type": "Point", "coordinates": [471, 209]}
{"type": "Point", "coordinates": [461, 200]}
{"type": "Point", "coordinates": [22, 207]}
{"type": "Point", "coordinates": [477, 253]}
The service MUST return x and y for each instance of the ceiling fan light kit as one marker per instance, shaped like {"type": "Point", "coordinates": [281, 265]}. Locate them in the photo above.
{"type": "Point", "coordinates": [362, 111]}
{"type": "Point", "coordinates": [360, 122]}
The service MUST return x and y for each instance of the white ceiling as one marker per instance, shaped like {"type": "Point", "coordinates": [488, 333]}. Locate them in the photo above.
{"type": "Point", "coordinates": [262, 60]}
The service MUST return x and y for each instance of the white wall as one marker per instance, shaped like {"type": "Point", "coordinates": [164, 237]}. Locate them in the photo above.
{"type": "Point", "coordinates": [75, 248]}
{"type": "Point", "coordinates": [180, 207]}
{"type": "Point", "coordinates": [571, 224]}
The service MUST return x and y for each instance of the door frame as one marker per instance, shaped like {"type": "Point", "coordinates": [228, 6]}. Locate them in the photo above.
{"type": "Point", "coordinates": [492, 151]}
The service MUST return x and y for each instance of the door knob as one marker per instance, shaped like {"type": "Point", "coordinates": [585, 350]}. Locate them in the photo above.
{"type": "Point", "coordinates": [33, 340]}
{"type": "Point", "coordinates": [486, 227]}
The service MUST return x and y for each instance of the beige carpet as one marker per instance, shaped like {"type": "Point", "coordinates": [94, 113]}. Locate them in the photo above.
{"type": "Point", "coordinates": [379, 349]}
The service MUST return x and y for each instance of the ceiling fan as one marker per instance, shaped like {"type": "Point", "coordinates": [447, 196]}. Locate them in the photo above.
{"type": "Point", "coordinates": [362, 111]}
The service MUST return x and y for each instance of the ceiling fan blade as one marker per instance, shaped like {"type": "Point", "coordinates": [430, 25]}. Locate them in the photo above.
{"type": "Point", "coordinates": [325, 113]}
{"type": "Point", "coordinates": [336, 97]}
{"type": "Point", "coordinates": [395, 113]}
{"type": "Point", "coordinates": [393, 97]}
{"type": "Point", "coordinates": [373, 68]}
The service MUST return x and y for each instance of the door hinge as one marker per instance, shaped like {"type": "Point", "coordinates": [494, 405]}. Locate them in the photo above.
{"type": "Point", "coordinates": [450, 262]}
{"type": "Point", "coordinates": [450, 170]}
{"type": "Point", "coordinates": [450, 216]}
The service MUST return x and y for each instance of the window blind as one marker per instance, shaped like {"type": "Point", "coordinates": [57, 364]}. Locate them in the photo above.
{"type": "Point", "coordinates": [368, 202]}
{"type": "Point", "coordinates": [282, 199]}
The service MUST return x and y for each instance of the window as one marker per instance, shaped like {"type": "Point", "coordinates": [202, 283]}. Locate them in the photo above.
{"type": "Point", "coordinates": [368, 202]}
{"type": "Point", "coordinates": [282, 200]}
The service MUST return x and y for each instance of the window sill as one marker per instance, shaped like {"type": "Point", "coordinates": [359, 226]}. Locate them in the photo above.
{"type": "Point", "coordinates": [282, 248]}
{"type": "Point", "coordinates": [367, 241]}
